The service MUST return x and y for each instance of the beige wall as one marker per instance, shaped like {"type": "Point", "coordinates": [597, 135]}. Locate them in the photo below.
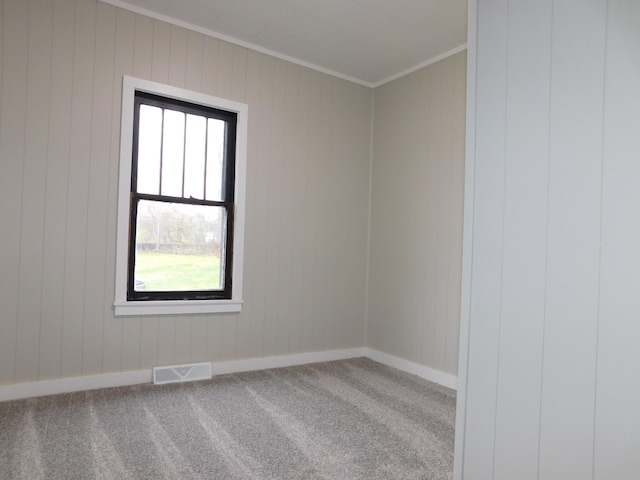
{"type": "Point", "coordinates": [307, 204]}
{"type": "Point", "coordinates": [416, 215]}
{"type": "Point", "coordinates": [309, 166]}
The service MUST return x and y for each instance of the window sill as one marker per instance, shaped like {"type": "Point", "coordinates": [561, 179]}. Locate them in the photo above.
{"type": "Point", "coordinates": [177, 307]}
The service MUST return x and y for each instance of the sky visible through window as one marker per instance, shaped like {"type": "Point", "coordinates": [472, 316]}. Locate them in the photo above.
{"type": "Point", "coordinates": [202, 147]}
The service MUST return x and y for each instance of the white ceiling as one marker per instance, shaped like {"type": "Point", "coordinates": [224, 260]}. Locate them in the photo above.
{"type": "Point", "coordinates": [369, 41]}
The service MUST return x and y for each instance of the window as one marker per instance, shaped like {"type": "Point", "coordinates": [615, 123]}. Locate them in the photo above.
{"type": "Point", "coordinates": [181, 202]}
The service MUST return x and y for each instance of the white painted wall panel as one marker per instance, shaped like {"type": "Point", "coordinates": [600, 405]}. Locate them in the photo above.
{"type": "Point", "coordinates": [488, 208]}
{"type": "Point", "coordinates": [416, 215]}
{"type": "Point", "coordinates": [617, 417]}
{"type": "Point", "coordinates": [570, 348]}
{"type": "Point", "coordinates": [307, 202]}
{"type": "Point", "coordinates": [524, 250]}
{"type": "Point", "coordinates": [549, 384]}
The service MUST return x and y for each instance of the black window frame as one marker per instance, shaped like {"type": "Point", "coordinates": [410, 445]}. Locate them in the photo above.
{"type": "Point", "coordinates": [227, 197]}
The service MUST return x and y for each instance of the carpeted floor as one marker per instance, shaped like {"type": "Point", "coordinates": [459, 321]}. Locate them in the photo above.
{"type": "Point", "coordinates": [352, 419]}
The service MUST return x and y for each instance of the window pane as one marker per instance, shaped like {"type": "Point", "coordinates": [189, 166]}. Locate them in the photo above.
{"type": "Point", "coordinates": [149, 141]}
{"type": "Point", "coordinates": [172, 153]}
{"type": "Point", "coordinates": [194, 156]}
{"type": "Point", "coordinates": [179, 247]}
{"type": "Point", "coordinates": [215, 157]}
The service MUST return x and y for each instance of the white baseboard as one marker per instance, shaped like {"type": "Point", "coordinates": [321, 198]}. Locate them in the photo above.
{"type": "Point", "coordinates": [73, 384]}
{"type": "Point", "coordinates": [122, 379]}
{"type": "Point", "coordinates": [253, 364]}
{"type": "Point", "coordinates": [435, 376]}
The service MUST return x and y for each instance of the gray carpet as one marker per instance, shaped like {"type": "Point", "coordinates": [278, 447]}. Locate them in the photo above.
{"type": "Point", "coordinates": [352, 419]}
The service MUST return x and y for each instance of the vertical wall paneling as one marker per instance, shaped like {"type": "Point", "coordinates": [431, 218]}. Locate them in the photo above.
{"type": "Point", "coordinates": [467, 240]}
{"type": "Point", "coordinates": [335, 221]}
{"type": "Point", "coordinates": [194, 55]}
{"type": "Point", "coordinates": [178, 57]}
{"type": "Point", "coordinates": [287, 189]}
{"type": "Point", "coordinates": [307, 199]}
{"type": "Point", "coordinates": [416, 215]}
{"type": "Point", "coordinates": [444, 107]}
{"type": "Point", "coordinates": [617, 421]}
{"type": "Point", "coordinates": [557, 358]}
{"type": "Point", "coordinates": [274, 233]}
{"type": "Point", "coordinates": [260, 84]}
{"type": "Point", "coordinates": [297, 168]}
{"type": "Point", "coordinates": [409, 195]}
{"type": "Point", "coordinates": [99, 159]}
{"type": "Point", "coordinates": [224, 70]}
{"type": "Point", "coordinates": [142, 46]}
{"type": "Point", "coordinates": [486, 269]}
{"type": "Point", "coordinates": [160, 53]}
{"type": "Point", "coordinates": [12, 105]}
{"type": "Point", "coordinates": [34, 181]}
{"type": "Point", "coordinates": [570, 336]}
{"type": "Point", "coordinates": [324, 157]}
{"type": "Point", "coordinates": [209, 65]}
{"type": "Point", "coordinates": [456, 188]}
{"type": "Point", "coordinates": [422, 203]}
{"type": "Point", "coordinates": [311, 199]}
{"type": "Point", "coordinates": [53, 259]}
{"type": "Point", "coordinates": [239, 74]}
{"type": "Point", "coordinates": [75, 280]}
{"type": "Point", "coordinates": [525, 230]}
{"type": "Point", "coordinates": [429, 205]}
{"type": "Point", "coordinates": [356, 139]}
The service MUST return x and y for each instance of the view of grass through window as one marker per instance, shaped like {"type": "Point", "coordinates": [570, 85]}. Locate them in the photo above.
{"type": "Point", "coordinates": [175, 272]}
{"type": "Point", "coordinates": [178, 247]}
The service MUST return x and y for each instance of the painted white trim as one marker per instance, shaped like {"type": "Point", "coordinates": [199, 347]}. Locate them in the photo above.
{"type": "Point", "coordinates": [177, 307]}
{"type": "Point", "coordinates": [426, 63]}
{"type": "Point", "coordinates": [73, 384]}
{"type": "Point", "coordinates": [467, 242]}
{"type": "Point", "coordinates": [122, 379]}
{"type": "Point", "coordinates": [369, 217]}
{"type": "Point", "coordinates": [172, 307]}
{"type": "Point", "coordinates": [435, 376]}
{"type": "Point", "coordinates": [264, 363]}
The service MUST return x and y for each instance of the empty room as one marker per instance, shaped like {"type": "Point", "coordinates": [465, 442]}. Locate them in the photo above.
{"type": "Point", "coordinates": [303, 239]}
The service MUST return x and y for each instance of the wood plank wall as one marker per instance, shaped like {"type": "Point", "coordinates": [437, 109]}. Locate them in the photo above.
{"type": "Point", "coordinates": [62, 63]}
{"type": "Point", "coordinates": [550, 386]}
{"type": "Point", "coordinates": [416, 215]}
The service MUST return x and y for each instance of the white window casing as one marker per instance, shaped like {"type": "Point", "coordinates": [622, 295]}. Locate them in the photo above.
{"type": "Point", "coordinates": [125, 307]}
